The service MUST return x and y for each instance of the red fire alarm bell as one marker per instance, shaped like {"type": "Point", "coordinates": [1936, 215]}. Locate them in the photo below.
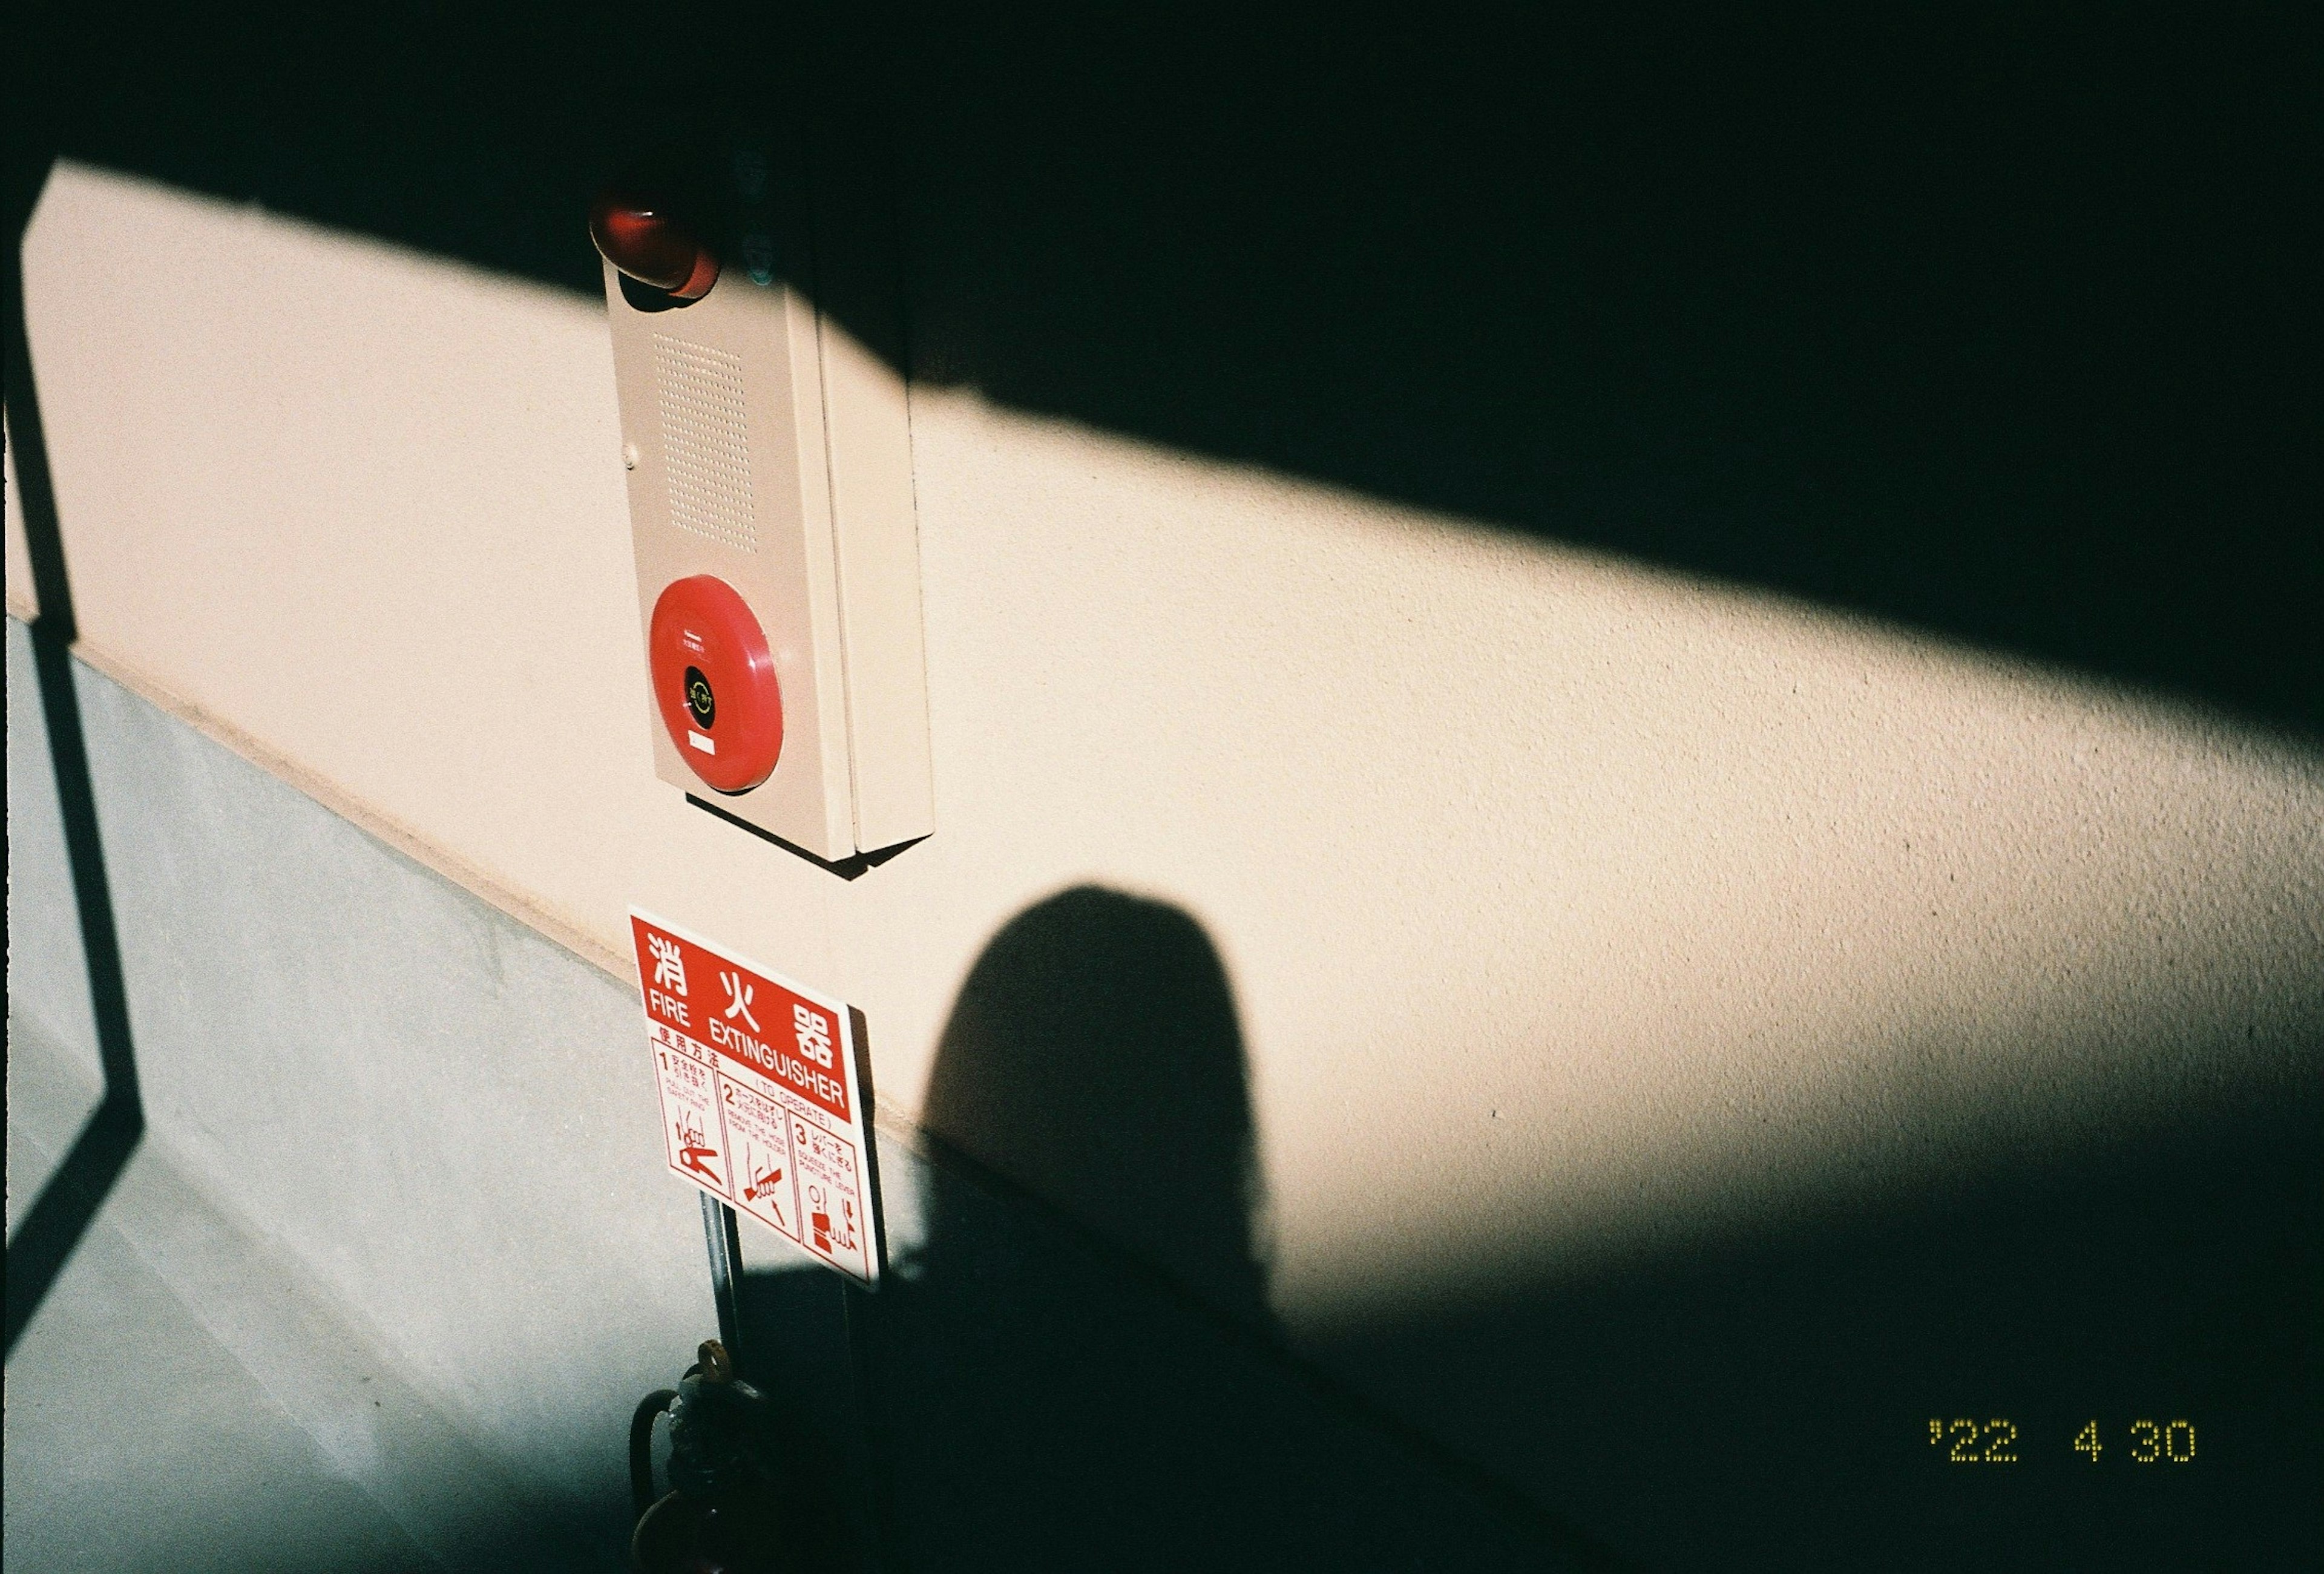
{"type": "Point", "coordinates": [714, 681]}
{"type": "Point", "coordinates": [638, 233]}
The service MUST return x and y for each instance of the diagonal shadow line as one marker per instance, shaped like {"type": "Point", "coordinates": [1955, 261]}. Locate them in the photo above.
{"type": "Point", "coordinates": [45, 1241]}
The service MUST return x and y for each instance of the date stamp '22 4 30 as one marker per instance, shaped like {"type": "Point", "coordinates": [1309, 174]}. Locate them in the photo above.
{"type": "Point", "coordinates": [1995, 1441]}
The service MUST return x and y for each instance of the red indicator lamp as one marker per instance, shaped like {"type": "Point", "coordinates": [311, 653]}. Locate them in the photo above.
{"type": "Point", "coordinates": [713, 683]}
{"type": "Point", "coordinates": [639, 235]}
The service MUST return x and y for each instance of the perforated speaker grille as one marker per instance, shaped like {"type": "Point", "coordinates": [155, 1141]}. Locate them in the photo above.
{"type": "Point", "coordinates": [706, 445]}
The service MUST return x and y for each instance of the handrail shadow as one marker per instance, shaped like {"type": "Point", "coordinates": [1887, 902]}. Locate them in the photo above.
{"type": "Point", "coordinates": [59, 1218]}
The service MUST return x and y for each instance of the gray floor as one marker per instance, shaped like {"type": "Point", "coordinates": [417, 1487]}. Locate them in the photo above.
{"type": "Point", "coordinates": [181, 1401]}
{"type": "Point", "coordinates": [136, 1440]}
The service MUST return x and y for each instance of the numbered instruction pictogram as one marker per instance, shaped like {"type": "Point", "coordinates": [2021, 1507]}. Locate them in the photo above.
{"type": "Point", "coordinates": [760, 1102]}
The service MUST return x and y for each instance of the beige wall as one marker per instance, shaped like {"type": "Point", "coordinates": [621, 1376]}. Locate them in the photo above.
{"type": "Point", "coordinates": [1569, 906]}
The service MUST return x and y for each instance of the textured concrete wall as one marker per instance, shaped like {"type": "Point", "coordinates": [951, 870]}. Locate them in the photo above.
{"type": "Point", "coordinates": [1576, 920]}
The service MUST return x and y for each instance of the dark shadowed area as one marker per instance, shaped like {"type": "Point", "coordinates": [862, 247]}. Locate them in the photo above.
{"type": "Point", "coordinates": [1034, 1382]}
{"type": "Point", "coordinates": [1993, 323]}
{"type": "Point", "coordinates": [1094, 1056]}
{"type": "Point", "coordinates": [1765, 1400]}
{"type": "Point", "coordinates": [1103, 1385]}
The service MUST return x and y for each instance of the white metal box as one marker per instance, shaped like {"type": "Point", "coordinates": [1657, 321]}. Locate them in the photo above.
{"type": "Point", "coordinates": [767, 446]}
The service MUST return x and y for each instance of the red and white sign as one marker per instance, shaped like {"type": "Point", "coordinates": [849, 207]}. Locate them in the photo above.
{"type": "Point", "coordinates": [761, 1101]}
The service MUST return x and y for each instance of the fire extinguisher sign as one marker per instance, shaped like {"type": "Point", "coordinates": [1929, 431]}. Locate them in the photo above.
{"type": "Point", "coordinates": [762, 1102]}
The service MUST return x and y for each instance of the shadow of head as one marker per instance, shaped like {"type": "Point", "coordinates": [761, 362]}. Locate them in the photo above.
{"type": "Point", "coordinates": [1093, 1058]}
